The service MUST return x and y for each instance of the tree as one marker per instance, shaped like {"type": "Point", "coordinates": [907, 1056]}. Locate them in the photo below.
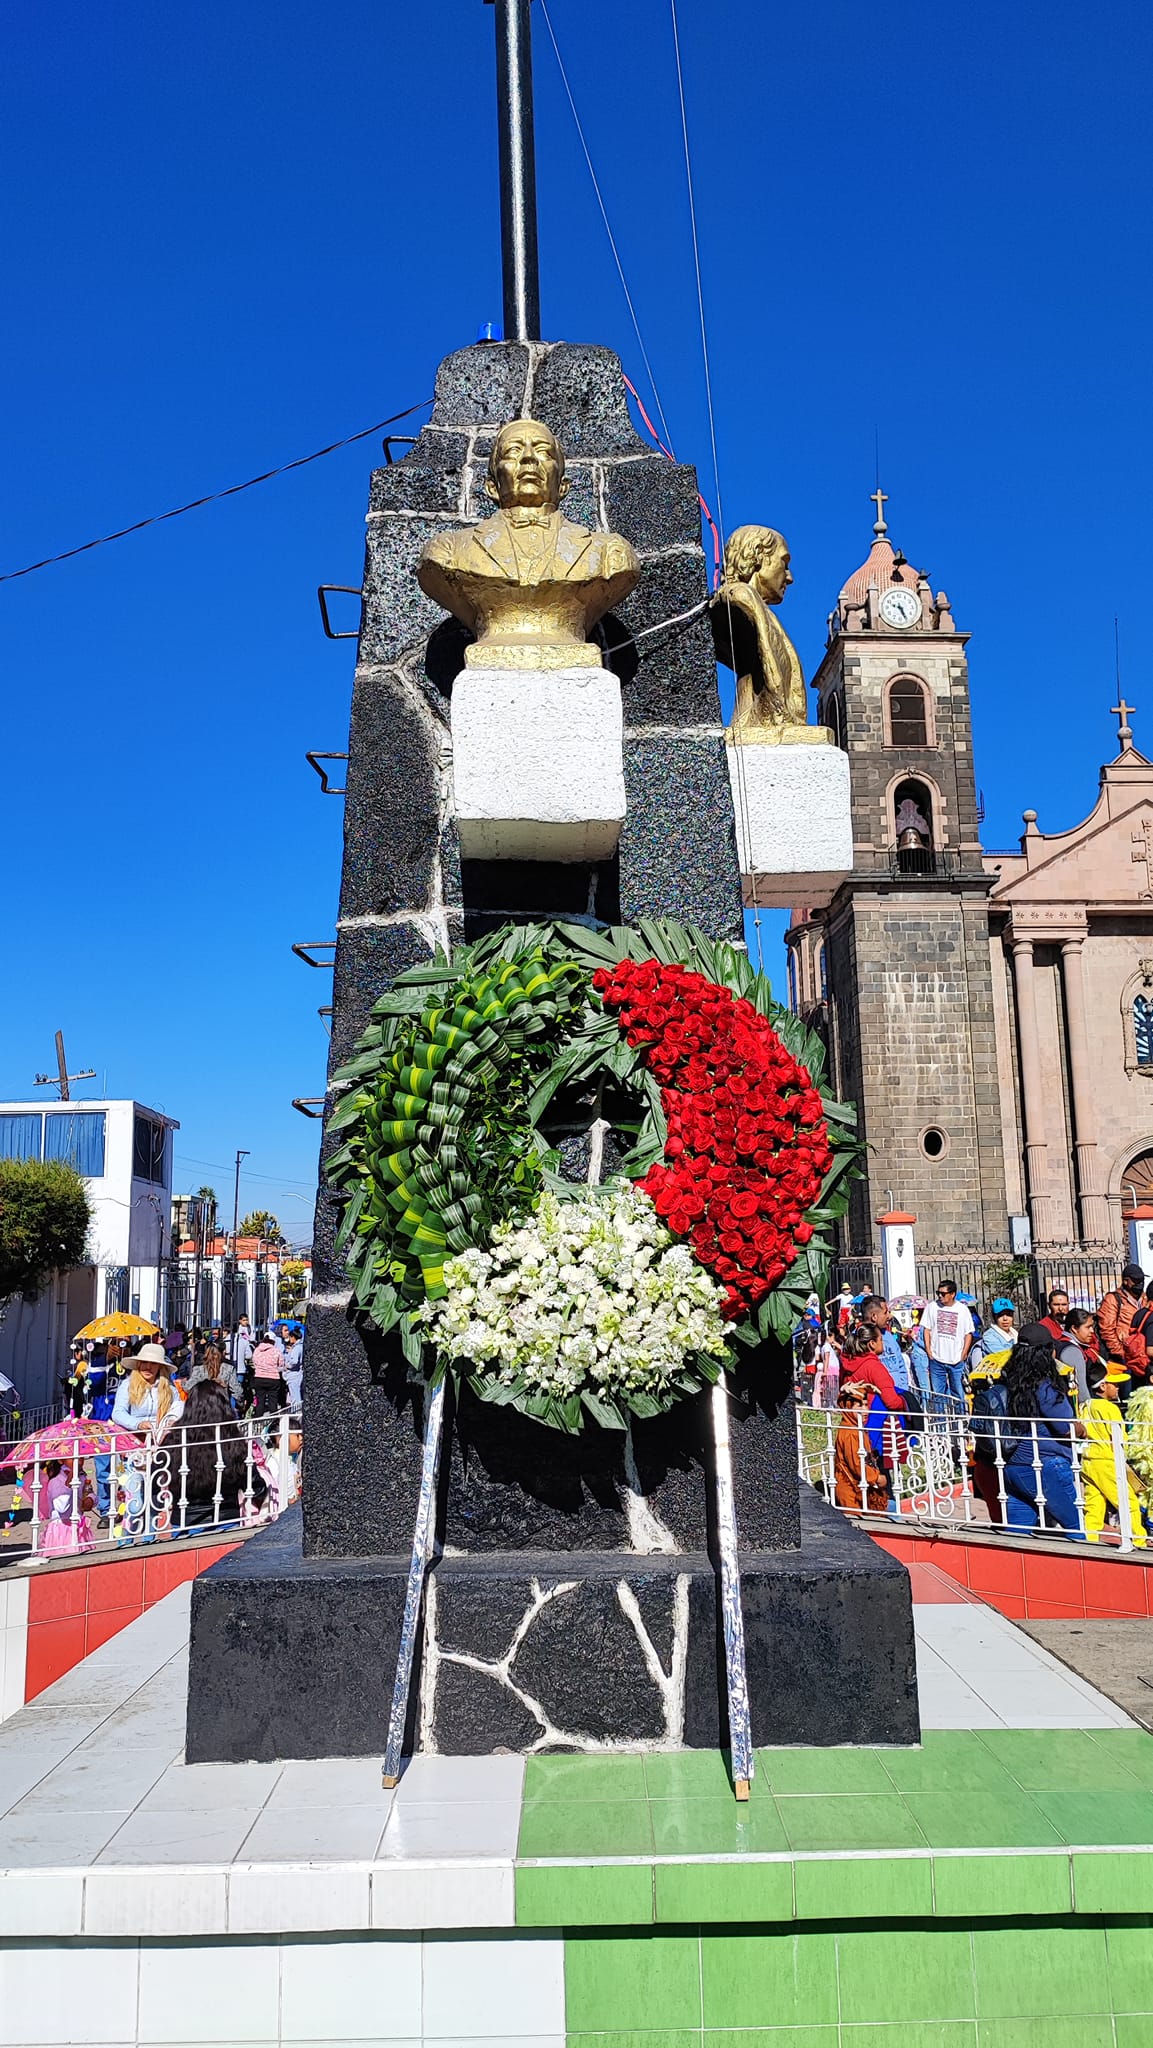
{"type": "Point", "coordinates": [44, 1217]}
{"type": "Point", "coordinates": [208, 1197]}
{"type": "Point", "coordinates": [261, 1223]}
{"type": "Point", "coordinates": [290, 1289]}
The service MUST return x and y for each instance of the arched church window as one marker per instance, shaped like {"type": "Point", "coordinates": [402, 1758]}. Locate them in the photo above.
{"type": "Point", "coordinates": [834, 718]}
{"type": "Point", "coordinates": [1143, 1030]}
{"type": "Point", "coordinates": [908, 713]}
{"type": "Point", "coordinates": [913, 828]}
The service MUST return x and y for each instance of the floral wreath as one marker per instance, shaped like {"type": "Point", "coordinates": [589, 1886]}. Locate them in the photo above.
{"type": "Point", "coordinates": [612, 1298]}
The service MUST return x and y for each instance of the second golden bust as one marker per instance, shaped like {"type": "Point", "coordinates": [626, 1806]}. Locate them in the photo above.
{"type": "Point", "coordinates": [529, 583]}
{"type": "Point", "coordinates": [770, 704]}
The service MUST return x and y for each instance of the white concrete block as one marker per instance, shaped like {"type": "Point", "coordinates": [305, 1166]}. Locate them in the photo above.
{"type": "Point", "coordinates": [794, 825]}
{"type": "Point", "coordinates": [538, 763]}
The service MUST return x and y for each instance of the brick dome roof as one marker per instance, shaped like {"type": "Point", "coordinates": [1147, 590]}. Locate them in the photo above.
{"type": "Point", "coordinates": [878, 570]}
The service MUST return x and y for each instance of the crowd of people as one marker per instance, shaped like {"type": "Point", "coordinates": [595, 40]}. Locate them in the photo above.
{"type": "Point", "coordinates": [1051, 1418]}
{"type": "Point", "coordinates": [194, 1403]}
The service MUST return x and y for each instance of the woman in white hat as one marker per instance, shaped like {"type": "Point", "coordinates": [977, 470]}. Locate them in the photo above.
{"type": "Point", "coordinates": [146, 1396]}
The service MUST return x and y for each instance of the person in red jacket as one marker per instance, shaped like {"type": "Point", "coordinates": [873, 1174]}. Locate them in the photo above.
{"type": "Point", "coordinates": [1054, 1322]}
{"type": "Point", "coordinates": [1116, 1313]}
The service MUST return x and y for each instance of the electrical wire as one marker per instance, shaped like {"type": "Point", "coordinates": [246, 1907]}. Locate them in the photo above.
{"type": "Point", "coordinates": [607, 224]}
{"type": "Point", "coordinates": [742, 789]}
{"type": "Point", "coordinates": [214, 497]}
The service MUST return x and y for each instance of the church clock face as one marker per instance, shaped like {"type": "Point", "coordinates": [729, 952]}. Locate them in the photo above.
{"type": "Point", "coordinates": [900, 606]}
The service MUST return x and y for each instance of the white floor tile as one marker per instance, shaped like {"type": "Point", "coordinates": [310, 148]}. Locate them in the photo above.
{"type": "Point", "coordinates": [92, 1779]}
{"type": "Point", "coordinates": [460, 1828]}
{"type": "Point", "coordinates": [493, 1988]}
{"type": "Point", "coordinates": [34, 1902]}
{"type": "Point", "coordinates": [93, 1996]}
{"type": "Point", "coordinates": [443, 1895]}
{"type": "Point", "coordinates": [154, 1902]}
{"type": "Point", "coordinates": [338, 1834]}
{"type": "Point", "coordinates": [280, 1901]}
{"type": "Point", "coordinates": [210, 1788]}
{"type": "Point", "coordinates": [227, 1992]}
{"type": "Point", "coordinates": [179, 1837]}
{"type": "Point", "coordinates": [57, 1840]}
{"type": "Point", "coordinates": [366, 1990]}
{"type": "Point", "coordinates": [332, 1781]}
{"type": "Point", "coordinates": [436, 1778]}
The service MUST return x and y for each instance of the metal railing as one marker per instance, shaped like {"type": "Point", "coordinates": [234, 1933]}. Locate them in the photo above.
{"type": "Point", "coordinates": [956, 1471]}
{"type": "Point", "coordinates": [250, 1475]}
{"type": "Point", "coordinates": [1085, 1276]}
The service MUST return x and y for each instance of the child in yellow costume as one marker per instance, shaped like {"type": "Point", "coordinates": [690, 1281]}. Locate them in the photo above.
{"type": "Point", "coordinates": [1139, 1435]}
{"type": "Point", "coordinates": [1101, 1414]}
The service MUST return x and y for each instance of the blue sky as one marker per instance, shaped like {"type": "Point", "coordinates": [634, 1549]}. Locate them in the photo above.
{"type": "Point", "coordinates": [233, 234]}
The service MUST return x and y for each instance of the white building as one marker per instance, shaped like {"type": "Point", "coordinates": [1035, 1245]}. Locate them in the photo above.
{"type": "Point", "coordinates": [124, 1152]}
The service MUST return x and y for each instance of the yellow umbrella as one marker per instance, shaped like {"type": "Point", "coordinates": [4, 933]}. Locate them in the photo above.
{"type": "Point", "coordinates": [119, 1325]}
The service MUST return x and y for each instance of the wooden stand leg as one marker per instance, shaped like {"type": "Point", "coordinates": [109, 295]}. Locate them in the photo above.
{"type": "Point", "coordinates": [423, 1539]}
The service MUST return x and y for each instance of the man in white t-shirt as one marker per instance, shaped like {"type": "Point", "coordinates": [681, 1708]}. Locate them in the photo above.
{"type": "Point", "coordinates": [947, 1329]}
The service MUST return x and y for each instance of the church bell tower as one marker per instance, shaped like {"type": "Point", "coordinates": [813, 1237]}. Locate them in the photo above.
{"type": "Point", "coordinates": [897, 970]}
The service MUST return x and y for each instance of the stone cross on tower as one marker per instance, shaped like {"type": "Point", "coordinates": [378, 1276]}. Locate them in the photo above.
{"type": "Point", "coordinates": [1125, 730]}
{"type": "Point", "coordinates": [880, 499]}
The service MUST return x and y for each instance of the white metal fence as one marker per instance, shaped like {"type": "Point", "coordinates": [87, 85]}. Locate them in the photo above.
{"type": "Point", "coordinates": [222, 1475]}
{"type": "Point", "coordinates": [986, 1471]}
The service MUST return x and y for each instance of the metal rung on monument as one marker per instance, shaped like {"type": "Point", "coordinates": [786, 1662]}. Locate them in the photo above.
{"type": "Point", "coordinates": [314, 758]}
{"type": "Point", "coordinates": [344, 590]}
{"type": "Point", "coordinates": [305, 948]}
{"type": "Point", "coordinates": [306, 1104]}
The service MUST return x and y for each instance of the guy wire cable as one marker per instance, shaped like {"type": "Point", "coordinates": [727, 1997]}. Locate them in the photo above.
{"type": "Point", "coordinates": [212, 498]}
{"type": "Point", "coordinates": [605, 218]}
{"type": "Point", "coordinates": [742, 788]}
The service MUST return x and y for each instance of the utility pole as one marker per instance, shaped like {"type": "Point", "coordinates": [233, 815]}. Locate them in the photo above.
{"type": "Point", "coordinates": [520, 268]}
{"type": "Point", "coordinates": [236, 1201]}
{"type": "Point", "coordinates": [234, 1263]}
{"type": "Point", "coordinates": [62, 1077]}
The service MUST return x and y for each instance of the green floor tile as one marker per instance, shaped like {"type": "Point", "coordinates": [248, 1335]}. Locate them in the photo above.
{"type": "Point", "coordinates": [768, 1980]}
{"type": "Point", "coordinates": [949, 1822]}
{"type": "Point", "coordinates": [914, 1974]}
{"type": "Point", "coordinates": [1131, 1747]}
{"type": "Point", "coordinates": [688, 1774]}
{"type": "Point", "coordinates": [949, 1760]}
{"type": "Point", "coordinates": [877, 1821]}
{"type": "Point", "coordinates": [875, 1888]}
{"type": "Point", "coordinates": [621, 1982]}
{"type": "Point", "coordinates": [724, 1891]}
{"type": "Point", "coordinates": [1133, 2030]}
{"type": "Point", "coordinates": [559, 1827]}
{"type": "Point", "coordinates": [1087, 2031]}
{"type": "Point", "coordinates": [1100, 1816]}
{"type": "Point", "coordinates": [1113, 1881]}
{"type": "Point", "coordinates": [819, 1770]}
{"type": "Point", "coordinates": [585, 1895]}
{"type": "Point", "coordinates": [916, 2034]}
{"type": "Point", "coordinates": [997, 1887]}
{"type": "Point", "coordinates": [584, 1777]}
{"type": "Point", "coordinates": [717, 1827]}
{"type": "Point", "coordinates": [660, 2039]}
{"type": "Point", "coordinates": [1042, 1972]}
{"type": "Point", "coordinates": [1051, 1759]}
{"type": "Point", "coordinates": [771, 2037]}
{"type": "Point", "coordinates": [1130, 1953]}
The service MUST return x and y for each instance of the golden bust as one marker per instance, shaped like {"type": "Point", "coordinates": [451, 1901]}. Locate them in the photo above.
{"type": "Point", "coordinates": [529, 583]}
{"type": "Point", "coordinates": [770, 708]}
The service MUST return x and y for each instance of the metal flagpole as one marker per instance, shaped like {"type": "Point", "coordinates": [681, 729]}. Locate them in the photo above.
{"type": "Point", "coordinates": [740, 1731]}
{"type": "Point", "coordinates": [423, 1541]}
{"type": "Point", "coordinates": [520, 268]}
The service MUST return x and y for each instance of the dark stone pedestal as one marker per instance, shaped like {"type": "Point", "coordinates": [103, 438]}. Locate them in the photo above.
{"type": "Point", "coordinates": [294, 1656]}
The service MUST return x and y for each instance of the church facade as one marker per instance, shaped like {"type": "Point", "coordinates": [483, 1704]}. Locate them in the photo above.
{"type": "Point", "coordinates": [990, 1013]}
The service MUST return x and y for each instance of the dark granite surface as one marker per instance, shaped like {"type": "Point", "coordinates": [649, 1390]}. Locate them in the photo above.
{"type": "Point", "coordinates": [392, 809]}
{"type": "Point", "coordinates": [676, 679]}
{"type": "Point", "coordinates": [485, 382]}
{"type": "Point", "coordinates": [427, 480]}
{"type": "Point", "coordinates": [654, 503]}
{"type": "Point", "coordinates": [678, 847]}
{"type": "Point", "coordinates": [294, 1658]}
{"type": "Point", "coordinates": [367, 958]}
{"type": "Point", "coordinates": [579, 392]}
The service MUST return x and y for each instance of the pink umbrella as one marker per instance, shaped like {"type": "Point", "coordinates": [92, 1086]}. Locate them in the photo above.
{"type": "Point", "coordinates": [75, 1437]}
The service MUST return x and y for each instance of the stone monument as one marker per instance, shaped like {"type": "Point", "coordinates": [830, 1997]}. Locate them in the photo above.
{"type": "Point", "coordinates": [575, 1602]}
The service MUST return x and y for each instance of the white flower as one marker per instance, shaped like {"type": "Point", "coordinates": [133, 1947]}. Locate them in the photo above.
{"type": "Point", "coordinates": [591, 1292]}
